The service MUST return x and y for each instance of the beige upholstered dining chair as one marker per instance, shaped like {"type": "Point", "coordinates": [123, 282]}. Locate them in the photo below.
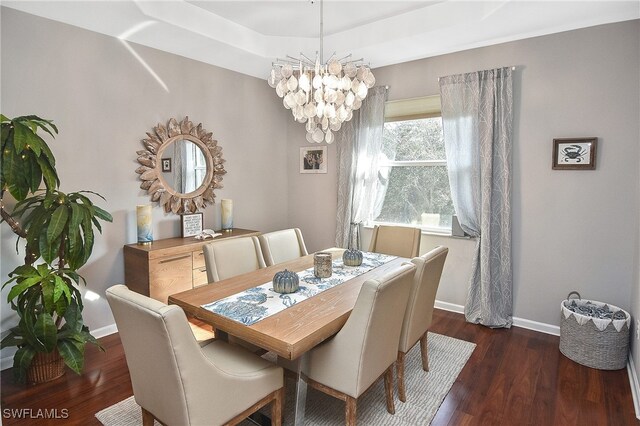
{"type": "Point", "coordinates": [365, 348]}
{"type": "Point", "coordinates": [179, 383]}
{"type": "Point", "coordinates": [419, 312]}
{"type": "Point", "coordinates": [395, 240]}
{"type": "Point", "coordinates": [280, 246]}
{"type": "Point", "coordinates": [228, 258]}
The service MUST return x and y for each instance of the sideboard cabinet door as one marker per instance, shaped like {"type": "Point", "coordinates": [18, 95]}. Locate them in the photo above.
{"type": "Point", "coordinates": [169, 275]}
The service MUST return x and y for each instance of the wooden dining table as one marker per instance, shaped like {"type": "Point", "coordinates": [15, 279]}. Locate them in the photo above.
{"type": "Point", "coordinates": [292, 332]}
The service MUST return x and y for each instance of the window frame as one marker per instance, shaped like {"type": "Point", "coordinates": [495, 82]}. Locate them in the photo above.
{"type": "Point", "coordinates": [407, 110]}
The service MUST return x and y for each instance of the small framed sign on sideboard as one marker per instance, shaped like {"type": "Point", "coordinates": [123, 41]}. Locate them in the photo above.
{"type": "Point", "coordinates": [191, 224]}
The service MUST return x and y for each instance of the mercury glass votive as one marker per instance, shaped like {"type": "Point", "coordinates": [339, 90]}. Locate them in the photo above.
{"type": "Point", "coordinates": [322, 265]}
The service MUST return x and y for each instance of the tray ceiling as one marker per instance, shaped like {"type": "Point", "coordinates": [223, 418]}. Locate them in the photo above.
{"type": "Point", "coordinates": [246, 36]}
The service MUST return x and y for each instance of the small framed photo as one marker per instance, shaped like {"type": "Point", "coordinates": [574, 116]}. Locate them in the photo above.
{"type": "Point", "coordinates": [166, 165]}
{"type": "Point", "coordinates": [191, 224]}
{"type": "Point", "coordinates": [313, 159]}
{"type": "Point", "coordinates": [574, 154]}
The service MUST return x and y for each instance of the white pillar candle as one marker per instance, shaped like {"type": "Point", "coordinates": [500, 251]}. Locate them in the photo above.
{"type": "Point", "coordinates": [227, 214]}
{"type": "Point", "coordinates": [145, 230]}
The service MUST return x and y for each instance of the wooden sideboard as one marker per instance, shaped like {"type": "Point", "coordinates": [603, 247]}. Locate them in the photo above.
{"type": "Point", "coordinates": [170, 265]}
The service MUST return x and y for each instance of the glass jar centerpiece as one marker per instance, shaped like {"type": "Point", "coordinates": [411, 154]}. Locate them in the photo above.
{"type": "Point", "coordinates": [322, 267]}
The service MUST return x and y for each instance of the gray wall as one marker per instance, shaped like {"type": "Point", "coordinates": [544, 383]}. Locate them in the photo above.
{"type": "Point", "coordinates": [313, 195]}
{"type": "Point", "coordinates": [572, 230]}
{"type": "Point", "coordinates": [103, 100]}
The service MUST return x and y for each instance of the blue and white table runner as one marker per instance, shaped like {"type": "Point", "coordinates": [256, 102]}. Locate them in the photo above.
{"type": "Point", "coordinates": [258, 303]}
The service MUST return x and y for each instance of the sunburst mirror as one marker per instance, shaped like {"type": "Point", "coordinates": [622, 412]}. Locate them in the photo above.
{"type": "Point", "coordinates": [181, 166]}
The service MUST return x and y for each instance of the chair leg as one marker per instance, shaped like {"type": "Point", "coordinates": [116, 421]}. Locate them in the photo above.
{"type": "Point", "coordinates": [277, 408]}
{"type": "Point", "coordinates": [388, 389]}
{"type": "Point", "coordinates": [423, 352]}
{"type": "Point", "coordinates": [402, 392]}
{"type": "Point", "coordinates": [147, 418]}
{"type": "Point", "coordinates": [350, 411]}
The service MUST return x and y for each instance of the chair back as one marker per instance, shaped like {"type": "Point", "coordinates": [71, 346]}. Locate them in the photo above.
{"type": "Point", "coordinates": [230, 257]}
{"type": "Point", "coordinates": [368, 343]}
{"type": "Point", "coordinates": [400, 241]}
{"type": "Point", "coordinates": [419, 312]}
{"type": "Point", "coordinates": [151, 332]}
{"type": "Point", "coordinates": [281, 246]}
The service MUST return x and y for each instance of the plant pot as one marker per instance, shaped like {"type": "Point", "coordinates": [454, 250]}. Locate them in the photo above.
{"type": "Point", "coordinates": [45, 367]}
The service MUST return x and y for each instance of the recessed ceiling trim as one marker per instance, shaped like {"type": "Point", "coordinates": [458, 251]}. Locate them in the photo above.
{"type": "Point", "coordinates": [188, 30]}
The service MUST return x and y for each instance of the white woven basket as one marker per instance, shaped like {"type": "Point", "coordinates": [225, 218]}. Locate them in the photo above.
{"type": "Point", "coordinates": [596, 343]}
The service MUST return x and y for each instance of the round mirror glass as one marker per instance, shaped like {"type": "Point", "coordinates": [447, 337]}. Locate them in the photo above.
{"type": "Point", "coordinates": [186, 167]}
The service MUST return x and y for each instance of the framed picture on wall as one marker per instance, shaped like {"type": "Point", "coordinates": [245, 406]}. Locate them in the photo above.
{"type": "Point", "coordinates": [574, 154]}
{"type": "Point", "coordinates": [166, 165]}
{"type": "Point", "coordinates": [313, 159]}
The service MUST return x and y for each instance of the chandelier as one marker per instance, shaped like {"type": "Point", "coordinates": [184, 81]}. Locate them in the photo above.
{"type": "Point", "coordinates": [322, 95]}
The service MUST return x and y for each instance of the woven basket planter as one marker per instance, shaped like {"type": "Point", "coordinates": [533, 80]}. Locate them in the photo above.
{"type": "Point", "coordinates": [45, 367]}
{"type": "Point", "coordinates": [597, 343]}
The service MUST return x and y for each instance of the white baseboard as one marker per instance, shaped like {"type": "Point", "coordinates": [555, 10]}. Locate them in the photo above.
{"type": "Point", "coordinates": [635, 386]}
{"type": "Point", "coordinates": [451, 307]}
{"type": "Point", "coordinates": [517, 322]}
{"type": "Point", "coordinates": [7, 362]}
{"type": "Point", "coordinates": [104, 331]}
{"type": "Point", "coordinates": [536, 326]}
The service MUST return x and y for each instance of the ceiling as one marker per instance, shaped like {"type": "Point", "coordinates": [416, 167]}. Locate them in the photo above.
{"type": "Point", "coordinates": [247, 36]}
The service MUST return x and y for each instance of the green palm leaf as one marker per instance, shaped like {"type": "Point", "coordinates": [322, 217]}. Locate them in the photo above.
{"type": "Point", "coordinates": [21, 362]}
{"type": "Point", "coordinates": [22, 286]}
{"type": "Point", "coordinates": [46, 330]}
{"type": "Point", "coordinates": [72, 354]}
{"type": "Point", "coordinates": [57, 223]}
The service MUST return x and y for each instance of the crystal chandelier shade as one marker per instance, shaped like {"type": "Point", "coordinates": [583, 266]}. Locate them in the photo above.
{"type": "Point", "coordinates": [322, 95]}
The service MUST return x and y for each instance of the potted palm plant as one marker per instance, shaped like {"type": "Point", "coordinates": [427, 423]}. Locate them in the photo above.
{"type": "Point", "coordinates": [58, 232]}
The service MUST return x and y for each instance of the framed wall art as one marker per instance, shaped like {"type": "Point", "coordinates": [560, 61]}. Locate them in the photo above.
{"type": "Point", "coordinates": [190, 224]}
{"type": "Point", "coordinates": [313, 159]}
{"type": "Point", "coordinates": [574, 154]}
{"type": "Point", "coordinates": [166, 165]}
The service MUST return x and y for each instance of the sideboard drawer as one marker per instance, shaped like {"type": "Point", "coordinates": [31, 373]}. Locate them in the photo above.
{"type": "Point", "coordinates": [198, 259]}
{"type": "Point", "coordinates": [200, 277]}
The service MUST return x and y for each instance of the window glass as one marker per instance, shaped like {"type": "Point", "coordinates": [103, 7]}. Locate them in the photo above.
{"type": "Point", "coordinates": [420, 139]}
{"type": "Point", "coordinates": [418, 191]}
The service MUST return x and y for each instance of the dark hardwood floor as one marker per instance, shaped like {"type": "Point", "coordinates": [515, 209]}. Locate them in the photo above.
{"type": "Point", "coordinates": [514, 377]}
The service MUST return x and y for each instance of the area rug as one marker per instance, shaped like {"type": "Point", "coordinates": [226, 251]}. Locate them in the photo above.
{"type": "Point", "coordinates": [425, 393]}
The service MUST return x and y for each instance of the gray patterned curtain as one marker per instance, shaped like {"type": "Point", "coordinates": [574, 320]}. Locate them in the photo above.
{"type": "Point", "coordinates": [358, 151]}
{"type": "Point", "coordinates": [477, 115]}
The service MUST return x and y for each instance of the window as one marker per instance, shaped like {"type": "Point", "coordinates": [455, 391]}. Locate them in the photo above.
{"type": "Point", "coordinates": [414, 166]}
{"type": "Point", "coordinates": [200, 166]}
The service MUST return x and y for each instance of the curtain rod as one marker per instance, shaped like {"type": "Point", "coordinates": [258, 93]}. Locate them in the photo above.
{"type": "Point", "coordinates": [513, 68]}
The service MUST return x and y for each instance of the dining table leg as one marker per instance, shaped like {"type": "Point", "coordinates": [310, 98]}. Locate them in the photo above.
{"type": "Point", "coordinates": [301, 391]}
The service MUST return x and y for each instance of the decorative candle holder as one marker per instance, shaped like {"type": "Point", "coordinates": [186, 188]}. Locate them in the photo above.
{"type": "Point", "coordinates": [145, 231]}
{"type": "Point", "coordinates": [322, 265]}
{"type": "Point", "coordinates": [227, 214]}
